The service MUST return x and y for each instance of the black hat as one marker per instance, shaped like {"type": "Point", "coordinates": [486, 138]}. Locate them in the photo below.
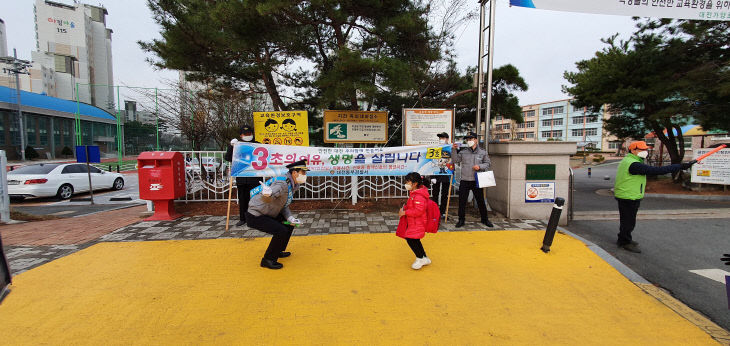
{"type": "Point", "coordinates": [246, 128]}
{"type": "Point", "coordinates": [442, 135]}
{"type": "Point", "coordinates": [300, 165]}
{"type": "Point", "coordinates": [470, 135]}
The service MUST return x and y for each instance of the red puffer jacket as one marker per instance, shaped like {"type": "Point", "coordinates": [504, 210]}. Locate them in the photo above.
{"type": "Point", "coordinates": [415, 219]}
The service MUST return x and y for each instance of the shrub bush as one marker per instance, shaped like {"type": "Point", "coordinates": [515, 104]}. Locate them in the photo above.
{"type": "Point", "coordinates": [66, 152]}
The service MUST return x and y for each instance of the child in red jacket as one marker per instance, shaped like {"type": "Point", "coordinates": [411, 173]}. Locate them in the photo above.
{"type": "Point", "coordinates": [412, 225]}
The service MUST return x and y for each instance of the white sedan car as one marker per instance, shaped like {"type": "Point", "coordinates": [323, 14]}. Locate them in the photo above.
{"type": "Point", "coordinates": [59, 179]}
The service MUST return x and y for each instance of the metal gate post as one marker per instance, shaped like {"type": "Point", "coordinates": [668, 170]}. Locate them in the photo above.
{"type": "Point", "coordinates": [353, 189]}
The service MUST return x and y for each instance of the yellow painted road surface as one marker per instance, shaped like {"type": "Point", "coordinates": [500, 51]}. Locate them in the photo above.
{"type": "Point", "coordinates": [482, 288]}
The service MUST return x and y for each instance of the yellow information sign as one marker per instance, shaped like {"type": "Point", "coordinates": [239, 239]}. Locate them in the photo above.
{"type": "Point", "coordinates": [281, 128]}
{"type": "Point", "coordinates": [355, 126]}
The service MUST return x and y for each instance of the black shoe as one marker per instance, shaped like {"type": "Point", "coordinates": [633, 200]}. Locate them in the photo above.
{"type": "Point", "coordinates": [487, 223]}
{"type": "Point", "coordinates": [241, 223]}
{"type": "Point", "coordinates": [460, 224]}
{"type": "Point", "coordinates": [284, 254]}
{"type": "Point", "coordinates": [271, 264]}
{"type": "Point", "coordinates": [631, 247]}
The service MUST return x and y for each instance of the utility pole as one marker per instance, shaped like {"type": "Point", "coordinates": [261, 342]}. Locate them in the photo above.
{"type": "Point", "coordinates": [480, 70]}
{"type": "Point", "coordinates": [18, 67]}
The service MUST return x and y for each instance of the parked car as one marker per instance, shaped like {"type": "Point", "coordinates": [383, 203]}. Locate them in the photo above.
{"type": "Point", "coordinates": [59, 179]}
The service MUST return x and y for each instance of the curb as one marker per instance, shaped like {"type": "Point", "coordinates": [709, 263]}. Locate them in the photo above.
{"type": "Point", "coordinates": [720, 335]}
{"type": "Point", "coordinates": [694, 197]}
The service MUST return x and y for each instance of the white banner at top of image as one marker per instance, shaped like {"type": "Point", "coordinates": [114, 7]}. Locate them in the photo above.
{"type": "Point", "coordinates": [678, 9]}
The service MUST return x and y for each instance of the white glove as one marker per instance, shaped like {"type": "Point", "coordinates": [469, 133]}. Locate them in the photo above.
{"type": "Point", "coordinates": [265, 189]}
{"type": "Point", "coordinates": [433, 181]}
{"type": "Point", "coordinates": [293, 220]}
{"type": "Point", "coordinates": [234, 141]}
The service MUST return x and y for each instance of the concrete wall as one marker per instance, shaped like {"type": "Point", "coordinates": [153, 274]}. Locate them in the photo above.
{"type": "Point", "coordinates": [509, 162]}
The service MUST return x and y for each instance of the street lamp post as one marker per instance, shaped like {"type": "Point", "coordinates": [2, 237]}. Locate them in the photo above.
{"type": "Point", "coordinates": [18, 67]}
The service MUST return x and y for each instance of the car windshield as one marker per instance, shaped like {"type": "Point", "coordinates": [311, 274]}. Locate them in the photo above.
{"type": "Point", "coordinates": [35, 169]}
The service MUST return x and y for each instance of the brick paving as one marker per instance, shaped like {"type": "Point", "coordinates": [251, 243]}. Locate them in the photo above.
{"type": "Point", "coordinates": [35, 243]}
{"type": "Point", "coordinates": [75, 230]}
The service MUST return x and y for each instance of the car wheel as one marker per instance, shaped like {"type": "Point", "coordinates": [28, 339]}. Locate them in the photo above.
{"type": "Point", "coordinates": [65, 191]}
{"type": "Point", "coordinates": [118, 184]}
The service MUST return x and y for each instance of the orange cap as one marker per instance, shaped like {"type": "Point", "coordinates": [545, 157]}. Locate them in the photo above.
{"type": "Point", "coordinates": [638, 145]}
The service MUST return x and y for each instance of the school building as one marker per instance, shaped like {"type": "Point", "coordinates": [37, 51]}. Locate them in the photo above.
{"type": "Point", "coordinates": [556, 121]}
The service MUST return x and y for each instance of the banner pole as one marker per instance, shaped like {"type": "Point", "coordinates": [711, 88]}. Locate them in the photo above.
{"type": "Point", "coordinates": [230, 195]}
{"type": "Point", "coordinates": [448, 200]}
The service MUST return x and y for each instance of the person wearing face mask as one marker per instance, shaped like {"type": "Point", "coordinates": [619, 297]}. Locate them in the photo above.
{"type": "Point", "coordinates": [473, 159]}
{"type": "Point", "coordinates": [243, 184]}
{"type": "Point", "coordinates": [629, 187]}
{"type": "Point", "coordinates": [269, 209]}
{"type": "Point", "coordinates": [414, 227]}
{"type": "Point", "coordinates": [440, 183]}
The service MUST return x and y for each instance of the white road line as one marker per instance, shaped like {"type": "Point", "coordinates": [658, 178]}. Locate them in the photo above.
{"type": "Point", "coordinates": [712, 274]}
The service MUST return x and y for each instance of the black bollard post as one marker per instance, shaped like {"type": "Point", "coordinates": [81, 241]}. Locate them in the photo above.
{"type": "Point", "coordinates": [552, 224]}
{"type": "Point", "coordinates": [110, 168]}
{"type": "Point", "coordinates": [589, 172]}
{"type": "Point", "coordinates": [117, 168]}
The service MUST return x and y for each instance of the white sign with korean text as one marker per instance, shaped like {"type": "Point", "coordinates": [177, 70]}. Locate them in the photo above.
{"type": "Point", "coordinates": [714, 169]}
{"type": "Point", "coordinates": [540, 192]}
{"type": "Point", "coordinates": [422, 125]}
{"type": "Point", "coordinates": [679, 9]}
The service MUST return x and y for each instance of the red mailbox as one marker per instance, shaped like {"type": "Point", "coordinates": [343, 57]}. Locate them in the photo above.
{"type": "Point", "coordinates": [161, 180]}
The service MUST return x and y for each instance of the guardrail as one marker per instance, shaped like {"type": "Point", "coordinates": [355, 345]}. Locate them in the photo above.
{"type": "Point", "coordinates": [211, 183]}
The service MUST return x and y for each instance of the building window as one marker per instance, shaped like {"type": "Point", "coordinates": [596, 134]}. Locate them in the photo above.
{"type": "Point", "coordinates": [545, 134]}
{"type": "Point", "coordinates": [529, 135]}
{"type": "Point", "coordinates": [555, 122]}
{"type": "Point", "coordinates": [527, 114]}
{"type": "Point", "coordinates": [520, 135]}
{"type": "Point", "coordinates": [592, 132]}
{"type": "Point", "coordinates": [67, 129]}
{"type": "Point", "coordinates": [505, 126]}
{"type": "Point", "coordinates": [588, 119]}
{"type": "Point", "coordinates": [553, 110]}
{"type": "Point", "coordinates": [499, 117]}
{"type": "Point", "coordinates": [578, 109]}
{"type": "Point", "coordinates": [526, 125]}
{"type": "Point", "coordinates": [614, 145]}
{"type": "Point", "coordinates": [576, 132]}
{"type": "Point", "coordinates": [86, 133]}
{"type": "Point", "coordinates": [43, 130]}
{"type": "Point", "coordinates": [30, 131]}
{"type": "Point", "coordinates": [558, 133]}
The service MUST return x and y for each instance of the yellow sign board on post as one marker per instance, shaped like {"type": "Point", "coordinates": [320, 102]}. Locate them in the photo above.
{"type": "Point", "coordinates": [355, 126]}
{"type": "Point", "coordinates": [281, 128]}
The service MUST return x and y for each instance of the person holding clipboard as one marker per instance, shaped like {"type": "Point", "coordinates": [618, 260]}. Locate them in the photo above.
{"type": "Point", "coordinates": [473, 159]}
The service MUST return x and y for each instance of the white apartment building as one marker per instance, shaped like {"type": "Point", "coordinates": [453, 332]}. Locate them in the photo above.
{"type": "Point", "coordinates": [73, 45]}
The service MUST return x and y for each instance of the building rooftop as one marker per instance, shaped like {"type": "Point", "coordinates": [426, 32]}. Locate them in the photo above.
{"type": "Point", "coordinates": [29, 99]}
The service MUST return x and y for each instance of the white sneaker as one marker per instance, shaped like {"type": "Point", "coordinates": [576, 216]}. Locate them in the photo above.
{"type": "Point", "coordinates": [426, 261]}
{"type": "Point", "coordinates": [420, 262]}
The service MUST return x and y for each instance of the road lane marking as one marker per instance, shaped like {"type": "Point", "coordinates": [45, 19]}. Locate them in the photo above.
{"type": "Point", "coordinates": [713, 274]}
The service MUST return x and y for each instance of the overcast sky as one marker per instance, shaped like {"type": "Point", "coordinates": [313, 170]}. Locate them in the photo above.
{"type": "Point", "coordinates": [541, 44]}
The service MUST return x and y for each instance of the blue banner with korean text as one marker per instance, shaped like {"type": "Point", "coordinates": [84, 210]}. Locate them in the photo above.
{"type": "Point", "coordinates": [261, 160]}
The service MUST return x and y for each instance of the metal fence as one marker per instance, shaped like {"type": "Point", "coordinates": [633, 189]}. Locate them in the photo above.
{"type": "Point", "coordinates": [210, 182]}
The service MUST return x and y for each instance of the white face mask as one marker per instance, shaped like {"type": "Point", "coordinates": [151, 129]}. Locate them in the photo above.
{"type": "Point", "coordinates": [643, 154]}
{"type": "Point", "coordinates": [409, 187]}
{"type": "Point", "coordinates": [442, 141]}
{"type": "Point", "coordinates": [247, 138]}
{"type": "Point", "coordinates": [470, 143]}
{"type": "Point", "coordinates": [301, 179]}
